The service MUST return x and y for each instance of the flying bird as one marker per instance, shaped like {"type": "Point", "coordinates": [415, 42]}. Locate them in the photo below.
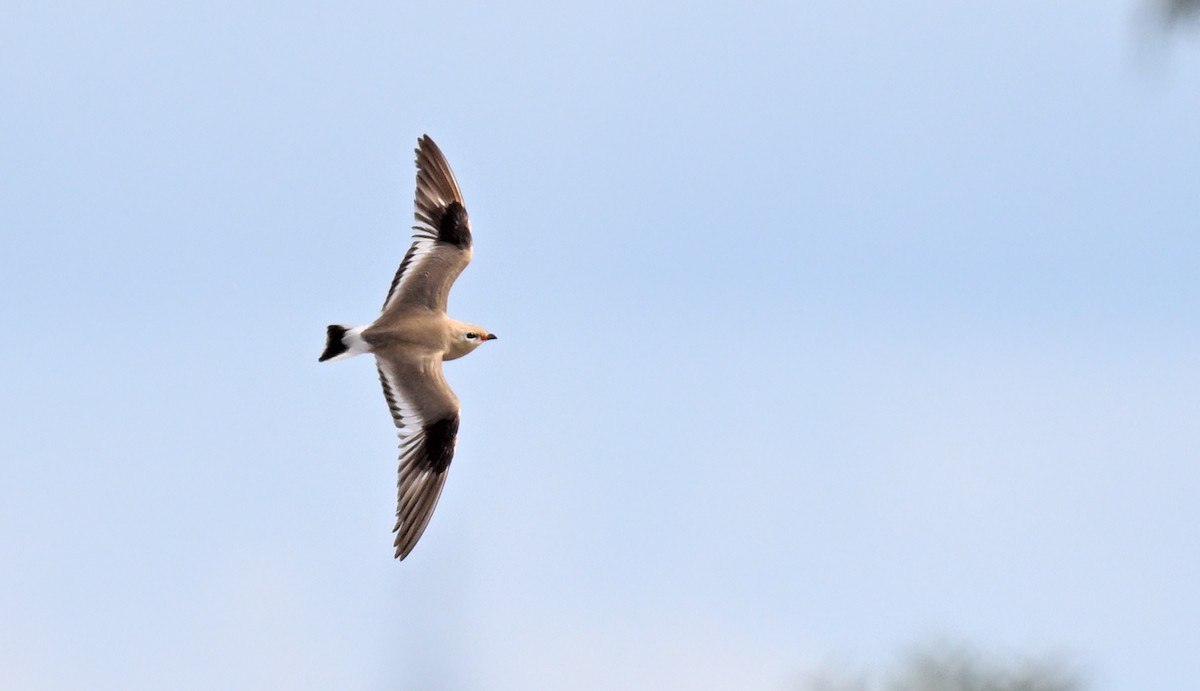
{"type": "Point", "coordinates": [413, 336]}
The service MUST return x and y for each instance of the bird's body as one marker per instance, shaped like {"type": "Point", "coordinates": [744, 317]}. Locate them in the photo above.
{"type": "Point", "coordinates": [421, 330]}
{"type": "Point", "coordinates": [413, 336]}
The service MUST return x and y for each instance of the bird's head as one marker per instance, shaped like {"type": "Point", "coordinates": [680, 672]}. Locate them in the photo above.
{"type": "Point", "coordinates": [467, 337]}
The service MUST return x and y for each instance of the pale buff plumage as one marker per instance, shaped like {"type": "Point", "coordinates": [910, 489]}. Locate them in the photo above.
{"type": "Point", "coordinates": [413, 336]}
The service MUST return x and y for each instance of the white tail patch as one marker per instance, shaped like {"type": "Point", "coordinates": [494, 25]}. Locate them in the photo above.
{"type": "Point", "coordinates": [342, 342]}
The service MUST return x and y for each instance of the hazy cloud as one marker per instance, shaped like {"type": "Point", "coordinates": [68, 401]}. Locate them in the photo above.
{"type": "Point", "coordinates": [947, 667]}
{"type": "Point", "coordinates": [1178, 11]}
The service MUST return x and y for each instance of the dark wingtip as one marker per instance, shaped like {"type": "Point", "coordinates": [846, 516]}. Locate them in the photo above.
{"type": "Point", "coordinates": [440, 437]}
{"type": "Point", "coordinates": [439, 202]}
{"type": "Point", "coordinates": [453, 227]}
{"type": "Point", "coordinates": [413, 510]}
{"type": "Point", "coordinates": [334, 346]}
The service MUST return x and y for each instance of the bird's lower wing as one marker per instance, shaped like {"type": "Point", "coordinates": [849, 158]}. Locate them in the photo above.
{"type": "Point", "coordinates": [425, 411]}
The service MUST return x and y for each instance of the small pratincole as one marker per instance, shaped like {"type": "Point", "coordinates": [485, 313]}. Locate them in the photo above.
{"type": "Point", "coordinates": [413, 336]}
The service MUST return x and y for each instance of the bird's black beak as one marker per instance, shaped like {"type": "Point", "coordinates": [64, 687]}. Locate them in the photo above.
{"type": "Point", "coordinates": [490, 337]}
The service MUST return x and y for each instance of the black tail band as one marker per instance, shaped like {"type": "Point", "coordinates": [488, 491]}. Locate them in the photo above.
{"type": "Point", "coordinates": [333, 342]}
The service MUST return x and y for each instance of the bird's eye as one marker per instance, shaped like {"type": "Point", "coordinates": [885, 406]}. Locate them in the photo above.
{"type": "Point", "coordinates": [471, 335]}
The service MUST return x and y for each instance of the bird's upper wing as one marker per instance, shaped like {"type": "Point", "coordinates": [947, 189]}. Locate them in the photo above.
{"type": "Point", "coordinates": [441, 246]}
{"type": "Point", "coordinates": [426, 414]}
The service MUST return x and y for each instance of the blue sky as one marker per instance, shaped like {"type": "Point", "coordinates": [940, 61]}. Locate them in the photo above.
{"type": "Point", "coordinates": [824, 329]}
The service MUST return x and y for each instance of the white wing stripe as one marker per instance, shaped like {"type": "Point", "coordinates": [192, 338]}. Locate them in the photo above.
{"type": "Point", "coordinates": [409, 420]}
{"type": "Point", "coordinates": [423, 243]}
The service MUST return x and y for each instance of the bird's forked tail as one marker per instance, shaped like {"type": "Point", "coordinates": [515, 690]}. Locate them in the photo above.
{"type": "Point", "coordinates": [342, 342]}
